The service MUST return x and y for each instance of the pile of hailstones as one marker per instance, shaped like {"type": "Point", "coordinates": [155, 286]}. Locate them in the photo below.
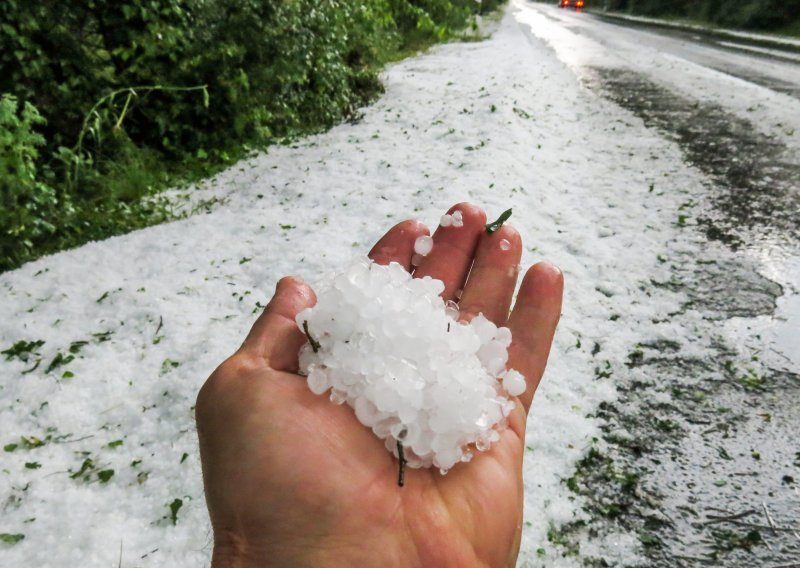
{"type": "Point", "coordinates": [389, 346]}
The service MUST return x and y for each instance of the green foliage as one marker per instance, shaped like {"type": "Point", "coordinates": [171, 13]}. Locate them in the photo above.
{"type": "Point", "coordinates": [27, 204]}
{"type": "Point", "coordinates": [746, 14]}
{"type": "Point", "coordinates": [108, 101]}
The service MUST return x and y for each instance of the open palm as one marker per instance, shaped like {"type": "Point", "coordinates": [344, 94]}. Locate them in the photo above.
{"type": "Point", "coordinates": [294, 480]}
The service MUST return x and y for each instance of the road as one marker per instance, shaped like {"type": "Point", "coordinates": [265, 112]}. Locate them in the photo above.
{"type": "Point", "coordinates": [707, 450]}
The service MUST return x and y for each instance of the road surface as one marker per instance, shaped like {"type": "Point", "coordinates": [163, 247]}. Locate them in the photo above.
{"type": "Point", "coordinates": [703, 455]}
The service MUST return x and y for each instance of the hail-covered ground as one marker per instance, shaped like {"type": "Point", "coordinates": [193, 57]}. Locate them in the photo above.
{"type": "Point", "coordinates": [105, 346]}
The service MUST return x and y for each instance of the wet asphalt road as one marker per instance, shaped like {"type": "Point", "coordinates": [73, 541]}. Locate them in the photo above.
{"type": "Point", "coordinates": [708, 471]}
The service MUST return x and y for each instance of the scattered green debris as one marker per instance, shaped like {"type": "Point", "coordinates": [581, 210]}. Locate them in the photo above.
{"type": "Point", "coordinates": [87, 467]}
{"type": "Point", "coordinates": [168, 365]}
{"type": "Point", "coordinates": [494, 226]}
{"type": "Point", "coordinates": [558, 537]}
{"type": "Point", "coordinates": [605, 372]}
{"type": "Point", "coordinates": [105, 475]}
{"type": "Point", "coordinates": [32, 465]}
{"type": "Point", "coordinates": [115, 444]}
{"type": "Point", "coordinates": [58, 361]}
{"type": "Point", "coordinates": [635, 358]}
{"type": "Point", "coordinates": [648, 539]}
{"type": "Point", "coordinates": [726, 539]}
{"type": "Point", "coordinates": [751, 381]}
{"type": "Point", "coordinates": [9, 538]}
{"type": "Point", "coordinates": [76, 346]}
{"type": "Point", "coordinates": [27, 443]}
{"type": "Point", "coordinates": [174, 507]}
{"type": "Point", "coordinates": [103, 336]}
{"type": "Point", "coordinates": [521, 113]}
{"type": "Point", "coordinates": [22, 350]}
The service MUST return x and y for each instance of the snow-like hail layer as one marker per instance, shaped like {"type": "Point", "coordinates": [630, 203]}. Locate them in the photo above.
{"type": "Point", "coordinates": [389, 346]}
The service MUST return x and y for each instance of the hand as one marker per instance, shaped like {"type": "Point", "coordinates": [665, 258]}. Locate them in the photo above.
{"type": "Point", "coordinates": [294, 480]}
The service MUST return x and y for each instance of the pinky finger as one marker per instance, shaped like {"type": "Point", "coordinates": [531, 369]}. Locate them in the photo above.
{"type": "Point", "coordinates": [533, 323]}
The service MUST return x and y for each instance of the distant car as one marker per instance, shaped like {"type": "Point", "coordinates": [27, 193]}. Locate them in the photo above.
{"type": "Point", "coordinates": [578, 4]}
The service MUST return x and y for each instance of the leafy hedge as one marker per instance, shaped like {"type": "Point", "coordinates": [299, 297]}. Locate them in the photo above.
{"type": "Point", "coordinates": [104, 102]}
{"type": "Point", "coordinates": [744, 14]}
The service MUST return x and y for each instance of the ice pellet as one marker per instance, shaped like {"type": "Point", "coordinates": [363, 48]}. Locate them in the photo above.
{"type": "Point", "coordinates": [514, 382]}
{"type": "Point", "coordinates": [393, 350]}
{"type": "Point", "coordinates": [423, 245]}
{"type": "Point", "coordinates": [446, 220]}
{"type": "Point", "coordinates": [458, 219]}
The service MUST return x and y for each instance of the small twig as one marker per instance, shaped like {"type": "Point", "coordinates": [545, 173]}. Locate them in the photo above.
{"type": "Point", "coordinates": [492, 227]}
{"type": "Point", "coordinates": [731, 517]}
{"type": "Point", "coordinates": [752, 525]}
{"type": "Point", "coordinates": [32, 369]}
{"type": "Point", "coordinates": [160, 325]}
{"type": "Point", "coordinates": [75, 440]}
{"type": "Point", "coordinates": [401, 479]}
{"type": "Point", "coordinates": [769, 517]}
{"type": "Point", "coordinates": [314, 343]}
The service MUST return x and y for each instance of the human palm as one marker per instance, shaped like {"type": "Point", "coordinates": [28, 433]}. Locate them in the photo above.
{"type": "Point", "coordinates": [294, 480]}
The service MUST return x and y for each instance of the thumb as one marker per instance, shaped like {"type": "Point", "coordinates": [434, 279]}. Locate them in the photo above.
{"type": "Point", "coordinates": [275, 336]}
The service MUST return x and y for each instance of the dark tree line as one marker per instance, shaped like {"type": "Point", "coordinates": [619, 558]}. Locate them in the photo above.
{"type": "Point", "coordinates": [745, 14]}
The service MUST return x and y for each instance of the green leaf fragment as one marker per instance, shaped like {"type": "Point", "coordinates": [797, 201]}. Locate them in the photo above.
{"type": "Point", "coordinates": [174, 507]}
{"type": "Point", "coordinates": [494, 226]}
{"type": "Point", "coordinates": [59, 360]}
{"type": "Point", "coordinates": [32, 465]}
{"type": "Point", "coordinates": [105, 475]}
{"type": "Point", "coordinates": [86, 466]}
{"type": "Point", "coordinates": [22, 350]}
{"type": "Point", "coordinates": [115, 444]}
{"type": "Point", "coordinates": [168, 365]}
{"type": "Point", "coordinates": [11, 538]}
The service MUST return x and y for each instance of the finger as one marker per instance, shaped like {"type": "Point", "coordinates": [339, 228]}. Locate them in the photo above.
{"type": "Point", "coordinates": [275, 336]}
{"type": "Point", "coordinates": [454, 250]}
{"type": "Point", "coordinates": [533, 324]}
{"type": "Point", "coordinates": [397, 245]}
{"type": "Point", "coordinates": [490, 286]}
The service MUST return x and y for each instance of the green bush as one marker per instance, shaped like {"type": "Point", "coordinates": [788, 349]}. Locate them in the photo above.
{"type": "Point", "coordinates": [27, 204]}
{"type": "Point", "coordinates": [134, 94]}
